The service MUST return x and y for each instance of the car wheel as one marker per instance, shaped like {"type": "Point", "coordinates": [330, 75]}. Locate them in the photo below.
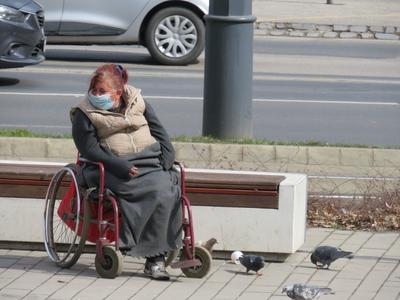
{"type": "Point", "coordinates": [175, 36]}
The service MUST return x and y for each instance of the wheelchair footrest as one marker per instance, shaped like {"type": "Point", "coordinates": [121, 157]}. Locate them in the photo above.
{"type": "Point", "coordinates": [183, 264]}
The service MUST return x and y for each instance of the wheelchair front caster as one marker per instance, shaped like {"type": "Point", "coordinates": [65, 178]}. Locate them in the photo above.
{"type": "Point", "coordinates": [205, 259]}
{"type": "Point", "coordinates": [112, 265]}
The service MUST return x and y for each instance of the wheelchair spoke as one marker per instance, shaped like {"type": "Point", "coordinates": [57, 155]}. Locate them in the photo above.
{"type": "Point", "coordinates": [63, 244]}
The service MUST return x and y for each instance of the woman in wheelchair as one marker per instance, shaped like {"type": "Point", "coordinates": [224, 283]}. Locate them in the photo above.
{"type": "Point", "coordinates": [116, 126]}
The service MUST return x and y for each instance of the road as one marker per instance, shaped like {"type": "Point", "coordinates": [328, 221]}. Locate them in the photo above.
{"type": "Point", "coordinates": [335, 91]}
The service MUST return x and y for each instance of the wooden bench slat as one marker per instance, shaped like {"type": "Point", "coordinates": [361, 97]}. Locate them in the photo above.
{"type": "Point", "coordinates": [203, 189]}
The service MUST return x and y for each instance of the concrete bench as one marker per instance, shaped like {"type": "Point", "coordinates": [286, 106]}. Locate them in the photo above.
{"type": "Point", "coordinates": [255, 212]}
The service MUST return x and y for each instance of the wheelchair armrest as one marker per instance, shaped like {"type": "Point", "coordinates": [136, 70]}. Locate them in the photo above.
{"type": "Point", "coordinates": [100, 165]}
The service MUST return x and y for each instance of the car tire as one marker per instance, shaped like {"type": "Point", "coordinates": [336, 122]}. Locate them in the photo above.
{"type": "Point", "coordinates": [175, 36]}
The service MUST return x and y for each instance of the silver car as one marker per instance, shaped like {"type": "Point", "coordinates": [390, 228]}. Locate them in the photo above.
{"type": "Point", "coordinates": [172, 31]}
{"type": "Point", "coordinates": [22, 38]}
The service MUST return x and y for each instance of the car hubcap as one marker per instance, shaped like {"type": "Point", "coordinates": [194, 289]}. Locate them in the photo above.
{"type": "Point", "coordinates": [175, 36]}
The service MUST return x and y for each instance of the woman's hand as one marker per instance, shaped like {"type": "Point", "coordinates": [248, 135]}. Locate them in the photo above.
{"type": "Point", "coordinates": [133, 171]}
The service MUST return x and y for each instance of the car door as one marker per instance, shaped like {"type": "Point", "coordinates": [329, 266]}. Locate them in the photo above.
{"type": "Point", "coordinates": [99, 17]}
{"type": "Point", "coordinates": [52, 15]}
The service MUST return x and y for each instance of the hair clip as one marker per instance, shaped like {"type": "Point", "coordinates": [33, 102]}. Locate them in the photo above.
{"type": "Point", "coordinates": [119, 68]}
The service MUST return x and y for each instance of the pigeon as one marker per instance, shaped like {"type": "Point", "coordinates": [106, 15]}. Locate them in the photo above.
{"type": "Point", "coordinates": [252, 263]}
{"type": "Point", "coordinates": [208, 244]}
{"type": "Point", "coordinates": [325, 255]}
{"type": "Point", "coordinates": [305, 292]}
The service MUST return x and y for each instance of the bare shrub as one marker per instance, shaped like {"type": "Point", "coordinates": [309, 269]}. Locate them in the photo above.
{"type": "Point", "coordinates": [378, 210]}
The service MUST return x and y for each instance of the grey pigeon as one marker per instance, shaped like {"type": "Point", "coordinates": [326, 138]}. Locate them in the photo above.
{"type": "Point", "coordinates": [209, 244]}
{"type": "Point", "coordinates": [325, 255]}
{"type": "Point", "coordinates": [305, 292]}
{"type": "Point", "coordinates": [252, 263]}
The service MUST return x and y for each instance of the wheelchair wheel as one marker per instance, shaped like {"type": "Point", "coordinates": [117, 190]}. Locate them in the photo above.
{"type": "Point", "coordinates": [205, 258]}
{"type": "Point", "coordinates": [65, 231]}
{"type": "Point", "coordinates": [112, 265]}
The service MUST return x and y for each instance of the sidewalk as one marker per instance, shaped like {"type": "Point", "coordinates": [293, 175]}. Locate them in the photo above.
{"type": "Point", "coordinates": [374, 273]}
{"type": "Point", "coordinates": [367, 19]}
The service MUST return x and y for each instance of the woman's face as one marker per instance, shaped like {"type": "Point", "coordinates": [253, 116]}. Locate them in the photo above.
{"type": "Point", "coordinates": [101, 88]}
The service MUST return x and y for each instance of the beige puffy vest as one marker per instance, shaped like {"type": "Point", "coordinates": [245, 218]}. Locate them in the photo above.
{"type": "Point", "coordinates": [121, 133]}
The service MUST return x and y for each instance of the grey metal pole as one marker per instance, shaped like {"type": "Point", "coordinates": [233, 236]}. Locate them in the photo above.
{"type": "Point", "coordinates": [228, 70]}
{"type": "Point", "coordinates": [328, 1]}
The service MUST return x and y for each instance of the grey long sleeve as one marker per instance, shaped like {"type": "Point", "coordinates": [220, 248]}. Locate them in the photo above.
{"type": "Point", "coordinates": [86, 141]}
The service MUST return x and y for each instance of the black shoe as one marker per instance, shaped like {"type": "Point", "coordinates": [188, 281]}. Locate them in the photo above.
{"type": "Point", "coordinates": [156, 270]}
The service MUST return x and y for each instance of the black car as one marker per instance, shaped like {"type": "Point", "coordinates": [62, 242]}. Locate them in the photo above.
{"type": "Point", "coordinates": [22, 38]}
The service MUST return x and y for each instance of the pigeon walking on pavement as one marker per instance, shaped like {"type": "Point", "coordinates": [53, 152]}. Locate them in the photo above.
{"type": "Point", "coordinates": [305, 292]}
{"type": "Point", "coordinates": [209, 244]}
{"type": "Point", "coordinates": [252, 263]}
{"type": "Point", "coordinates": [325, 255]}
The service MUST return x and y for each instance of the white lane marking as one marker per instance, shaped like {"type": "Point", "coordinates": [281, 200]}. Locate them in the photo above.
{"type": "Point", "coordinates": [34, 126]}
{"type": "Point", "coordinates": [199, 74]}
{"type": "Point", "coordinates": [41, 94]}
{"type": "Point", "coordinates": [201, 99]}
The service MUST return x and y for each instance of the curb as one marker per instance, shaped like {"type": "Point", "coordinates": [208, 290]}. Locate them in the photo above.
{"type": "Point", "coordinates": [312, 30]}
{"type": "Point", "coordinates": [331, 170]}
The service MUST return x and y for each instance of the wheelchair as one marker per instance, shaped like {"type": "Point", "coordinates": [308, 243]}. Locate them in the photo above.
{"type": "Point", "coordinates": [75, 214]}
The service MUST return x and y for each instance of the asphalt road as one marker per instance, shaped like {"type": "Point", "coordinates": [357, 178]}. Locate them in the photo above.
{"type": "Point", "coordinates": [337, 91]}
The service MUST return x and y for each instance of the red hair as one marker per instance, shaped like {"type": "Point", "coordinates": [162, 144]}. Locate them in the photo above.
{"type": "Point", "coordinates": [116, 76]}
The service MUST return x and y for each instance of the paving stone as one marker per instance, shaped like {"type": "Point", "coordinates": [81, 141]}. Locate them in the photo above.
{"type": "Point", "coordinates": [7, 293]}
{"type": "Point", "coordinates": [367, 35]}
{"type": "Point", "coordinates": [314, 34]}
{"type": "Point", "coordinates": [151, 290]}
{"type": "Point", "coordinates": [265, 25]}
{"type": "Point", "coordinates": [381, 241]}
{"type": "Point", "coordinates": [377, 28]}
{"type": "Point", "coordinates": [330, 34]}
{"type": "Point", "coordinates": [337, 27]}
{"type": "Point", "coordinates": [349, 35]}
{"type": "Point", "coordinates": [207, 291]}
{"type": "Point", "coordinates": [72, 288]}
{"type": "Point", "coordinates": [29, 280]}
{"type": "Point", "coordinates": [5, 149]}
{"type": "Point", "coordinates": [376, 277]}
{"type": "Point", "coordinates": [356, 157]}
{"type": "Point", "coordinates": [128, 288]}
{"type": "Point", "coordinates": [373, 271]}
{"type": "Point", "coordinates": [282, 25]}
{"type": "Point", "coordinates": [260, 32]}
{"type": "Point", "coordinates": [254, 296]}
{"type": "Point", "coordinates": [291, 154]}
{"type": "Point", "coordinates": [188, 152]}
{"type": "Point", "coordinates": [386, 157]}
{"type": "Point", "coordinates": [34, 296]}
{"type": "Point", "coordinates": [303, 26]}
{"type": "Point", "coordinates": [235, 286]}
{"type": "Point", "coordinates": [390, 29]}
{"type": "Point", "coordinates": [297, 33]}
{"type": "Point", "coordinates": [361, 295]}
{"type": "Point", "coordinates": [278, 32]}
{"type": "Point", "coordinates": [324, 275]}
{"type": "Point", "coordinates": [101, 288]}
{"type": "Point", "coordinates": [387, 36]}
{"type": "Point", "coordinates": [359, 29]}
{"type": "Point", "coordinates": [344, 285]}
{"type": "Point", "coordinates": [386, 293]}
{"type": "Point", "coordinates": [259, 155]}
{"type": "Point", "coordinates": [324, 27]}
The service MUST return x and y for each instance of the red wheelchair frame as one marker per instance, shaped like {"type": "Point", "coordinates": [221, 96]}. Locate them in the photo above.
{"type": "Point", "coordinates": [93, 220]}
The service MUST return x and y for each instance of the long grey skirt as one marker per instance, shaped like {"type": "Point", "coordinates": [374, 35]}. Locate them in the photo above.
{"type": "Point", "coordinates": [149, 203]}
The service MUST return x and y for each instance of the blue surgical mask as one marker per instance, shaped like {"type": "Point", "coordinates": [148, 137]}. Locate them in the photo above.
{"type": "Point", "coordinates": [102, 101]}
